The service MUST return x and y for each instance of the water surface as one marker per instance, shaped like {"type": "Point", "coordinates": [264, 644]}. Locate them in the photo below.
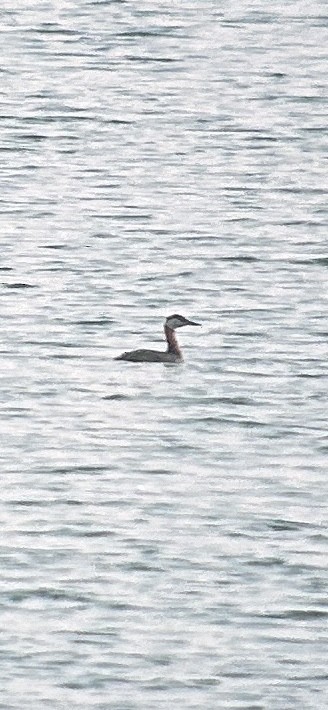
{"type": "Point", "coordinates": [164, 529]}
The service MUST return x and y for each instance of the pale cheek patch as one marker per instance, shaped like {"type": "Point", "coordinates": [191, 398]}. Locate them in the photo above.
{"type": "Point", "coordinates": [173, 323]}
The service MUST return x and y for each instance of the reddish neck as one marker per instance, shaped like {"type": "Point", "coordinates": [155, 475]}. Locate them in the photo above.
{"type": "Point", "coordinates": [172, 343]}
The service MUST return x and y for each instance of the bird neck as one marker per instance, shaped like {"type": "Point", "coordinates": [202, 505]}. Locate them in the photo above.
{"type": "Point", "coordinates": [172, 343]}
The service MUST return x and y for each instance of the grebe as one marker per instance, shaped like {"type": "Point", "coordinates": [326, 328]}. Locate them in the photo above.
{"type": "Point", "coordinates": [173, 353]}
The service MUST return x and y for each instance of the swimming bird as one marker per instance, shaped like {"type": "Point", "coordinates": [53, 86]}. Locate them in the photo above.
{"type": "Point", "coordinates": [173, 352]}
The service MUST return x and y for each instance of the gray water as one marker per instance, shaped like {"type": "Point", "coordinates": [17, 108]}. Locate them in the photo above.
{"type": "Point", "coordinates": [164, 528]}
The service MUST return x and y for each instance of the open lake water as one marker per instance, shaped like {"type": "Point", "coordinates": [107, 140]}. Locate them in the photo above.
{"type": "Point", "coordinates": [164, 528]}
